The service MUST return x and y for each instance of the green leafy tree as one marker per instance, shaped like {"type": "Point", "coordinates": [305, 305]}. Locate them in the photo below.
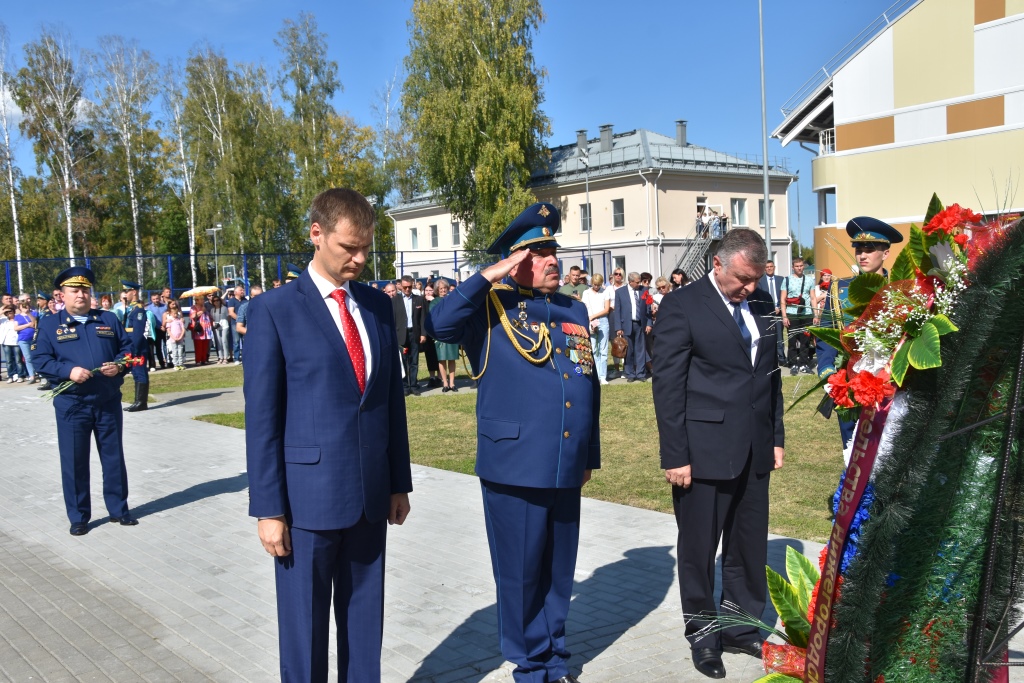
{"type": "Point", "coordinates": [309, 82]}
{"type": "Point", "coordinates": [127, 84]}
{"type": "Point", "coordinates": [48, 90]}
{"type": "Point", "coordinates": [472, 102]}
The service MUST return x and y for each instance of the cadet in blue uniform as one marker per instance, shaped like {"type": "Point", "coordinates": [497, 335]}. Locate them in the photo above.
{"type": "Point", "coordinates": [68, 346]}
{"type": "Point", "coordinates": [135, 326]}
{"type": "Point", "coordinates": [292, 272]}
{"type": "Point", "coordinates": [537, 432]}
{"type": "Point", "coordinates": [870, 239]}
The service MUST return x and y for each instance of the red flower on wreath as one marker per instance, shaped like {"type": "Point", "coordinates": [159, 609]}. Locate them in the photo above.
{"type": "Point", "coordinates": [950, 219]}
{"type": "Point", "coordinates": [960, 239]}
{"type": "Point", "coordinates": [869, 389]}
{"type": "Point", "coordinates": [839, 389]}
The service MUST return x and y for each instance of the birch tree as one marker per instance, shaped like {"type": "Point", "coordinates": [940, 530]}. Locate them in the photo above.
{"type": "Point", "coordinates": [48, 89]}
{"type": "Point", "coordinates": [127, 83]}
{"type": "Point", "coordinates": [309, 82]}
{"type": "Point", "coordinates": [6, 151]}
{"type": "Point", "coordinates": [183, 151]}
{"type": "Point", "coordinates": [472, 100]}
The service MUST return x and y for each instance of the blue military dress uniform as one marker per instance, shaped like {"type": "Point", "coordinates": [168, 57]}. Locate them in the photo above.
{"type": "Point", "coordinates": [537, 433]}
{"type": "Point", "coordinates": [135, 325]}
{"type": "Point", "coordinates": [91, 408]}
{"type": "Point", "coordinates": [862, 229]}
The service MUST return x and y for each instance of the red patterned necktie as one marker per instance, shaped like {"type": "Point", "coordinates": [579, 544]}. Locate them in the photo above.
{"type": "Point", "coordinates": [352, 339]}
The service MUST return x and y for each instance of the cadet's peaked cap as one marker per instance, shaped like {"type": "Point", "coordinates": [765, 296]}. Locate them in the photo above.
{"type": "Point", "coordinates": [292, 271]}
{"type": "Point", "coordinates": [76, 276]}
{"type": "Point", "coordinates": [43, 295]}
{"type": "Point", "coordinates": [867, 229]}
{"type": "Point", "coordinates": [532, 229]}
{"type": "Point", "coordinates": [127, 284]}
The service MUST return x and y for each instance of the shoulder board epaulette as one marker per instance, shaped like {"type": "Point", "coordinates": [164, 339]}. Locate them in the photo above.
{"type": "Point", "coordinates": [501, 287]}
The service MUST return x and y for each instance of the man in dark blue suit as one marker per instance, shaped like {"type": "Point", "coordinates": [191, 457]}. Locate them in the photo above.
{"type": "Point", "coordinates": [631, 319]}
{"type": "Point", "coordinates": [81, 344]}
{"type": "Point", "coordinates": [537, 432]}
{"type": "Point", "coordinates": [718, 400]}
{"type": "Point", "coordinates": [135, 326]}
{"type": "Point", "coordinates": [775, 285]}
{"type": "Point", "coordinates": [327, 445]}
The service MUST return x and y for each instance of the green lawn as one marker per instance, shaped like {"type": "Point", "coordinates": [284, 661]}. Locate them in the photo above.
{"type": "Point", "coordinates": [442, 434]}
{"type": "Point", "coordinates": [192, 379]}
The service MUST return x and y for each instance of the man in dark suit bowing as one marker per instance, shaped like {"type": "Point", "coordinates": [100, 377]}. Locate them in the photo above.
{"type": "Point", "coordinates": [327, 445]}
{"type": "Point", "coordinates": [631, 319]}
{"type": "Point", "coordinates": [718, 399]}
{"type": "Point", "coordinates": [775, 285]}
{"type": "Point", "coordinates": [408, 310]}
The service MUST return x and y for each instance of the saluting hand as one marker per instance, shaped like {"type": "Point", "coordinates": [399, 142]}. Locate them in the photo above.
{"type": "Point", "coordinates": [275, 537]}
{"type": "Point", "coordinates": [679, 476]}
{"type": "Point", "coordinates": [503, 267]}
{"type": "Point", "coordinates": [79, 375]}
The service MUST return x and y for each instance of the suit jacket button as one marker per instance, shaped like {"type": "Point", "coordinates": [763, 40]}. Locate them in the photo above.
{"type": "Point", "coordinates": [753, 406]}
{"type": "Point", "coordinates": [566, 435]}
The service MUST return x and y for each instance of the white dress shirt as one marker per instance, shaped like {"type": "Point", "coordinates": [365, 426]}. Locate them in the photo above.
{"type": "Point", "coordinates": [748, 317]}
{"type": "Point", "coordinates": [325, 287]}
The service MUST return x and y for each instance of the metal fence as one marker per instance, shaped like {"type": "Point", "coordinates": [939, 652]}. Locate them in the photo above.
{"type": "Point", "coordinates": [175, 270]}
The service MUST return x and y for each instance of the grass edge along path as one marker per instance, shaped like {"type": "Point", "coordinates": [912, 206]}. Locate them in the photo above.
{"type": "Point", "coordinates": [442, 434]}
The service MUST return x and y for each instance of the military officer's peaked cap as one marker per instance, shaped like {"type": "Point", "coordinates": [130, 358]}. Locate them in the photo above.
{"type": "Point", "coordinates": [43, 295]}
{"type": "Point", "coordinates": [127, 284]}
{"type": "Point", "coordinates": [292, 271]}
{"type": "Point", "coordinates": [533, 228]}
{"type": "Point", "coordinates": [76, 276]}
{"type": "Point", "coordinates": [867, 229]}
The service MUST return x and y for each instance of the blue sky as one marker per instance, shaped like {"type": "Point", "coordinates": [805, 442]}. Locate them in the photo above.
{"type": "Point", "coordinates": [633, 65]}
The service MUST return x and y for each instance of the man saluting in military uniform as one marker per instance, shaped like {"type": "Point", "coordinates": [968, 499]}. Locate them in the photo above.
{"type": "Point", "coordinates": [135, 326]}
{"type": "Point", "coordinates": [870, 239]}
{"type": "Point", "coordinates": [537, 432]}
{"type": "Point", "coordinates": [68, 346]}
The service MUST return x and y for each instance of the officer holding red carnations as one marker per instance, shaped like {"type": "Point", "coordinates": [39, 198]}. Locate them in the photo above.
{"type": "Point", "coordinates": [83, 345]}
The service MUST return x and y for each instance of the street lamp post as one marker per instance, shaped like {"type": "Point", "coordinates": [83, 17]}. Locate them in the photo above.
{"type": "Point", "coordinates": [216, 260]}
{"type": "Point", "coordinates": [764, 138]}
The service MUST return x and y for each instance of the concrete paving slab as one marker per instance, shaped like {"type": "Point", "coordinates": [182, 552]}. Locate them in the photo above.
{"type": "Point", "coordinates": [188, 594]}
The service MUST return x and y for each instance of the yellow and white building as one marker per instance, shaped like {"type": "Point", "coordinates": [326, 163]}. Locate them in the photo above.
{"type": "Point", "coordinates": [929, 98]}
{"type": "Point", "coordinates": [656, 203]}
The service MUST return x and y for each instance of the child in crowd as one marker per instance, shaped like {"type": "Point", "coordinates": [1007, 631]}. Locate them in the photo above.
{"type": "Point", "coordinates": [174, 325]}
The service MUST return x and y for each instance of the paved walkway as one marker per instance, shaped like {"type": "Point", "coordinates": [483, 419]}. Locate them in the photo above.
{"type": "Point", "coordinates": [188, 594]}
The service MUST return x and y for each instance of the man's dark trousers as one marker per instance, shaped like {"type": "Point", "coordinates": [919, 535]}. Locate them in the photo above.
{"type": "Point", "coordinates": [411, 359]}
{"type": "Point", "coordinates": [351, 562]}
{"type": "Point", "coordinates": [801, 345]}
{"type": "Point", "coordinates": [636, 354]}
{"type": "Point", "coordinates": [533, 534]}
{"type": "Point", "coordinates": [77, 420]}
{"type": "Point", "coordinates": [737, 511]}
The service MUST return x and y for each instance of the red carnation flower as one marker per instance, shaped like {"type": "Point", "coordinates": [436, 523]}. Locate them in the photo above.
{"type": "Point", "coordinates": [869, 389]}
{"type": "Point", "coordinates": [839, 389]}
{"type": "Point", "coordinates": [951, 218]}
{"type": "Point", "coordinates": [960, 239]}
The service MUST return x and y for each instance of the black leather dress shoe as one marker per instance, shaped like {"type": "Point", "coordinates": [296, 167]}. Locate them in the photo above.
{"type": "Point", "coordinates": [124, 521]}
{"type": "Point", "coordinates": [752, 648]}
{"type": "Point", "coordinates": [80, 529]}
{"type": "Point", "coordinates": [567, 679]}
{"type": "Point", "coordinates": [708, 662]}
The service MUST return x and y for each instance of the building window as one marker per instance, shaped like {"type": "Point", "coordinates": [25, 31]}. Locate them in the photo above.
{"type": "Point", "coordinates": [415, 275]}
{"type": "Point", "coordinates": [433, 237]}
{"type": "Point", "coordinates": [619, 263]}
{"type": "Point", "coordinates": [738, 212]}
{"type": "Point", "coordinates": [760, 211]}
{"type": "Point", "coordinates": [434, 274]}
{"type": "Point", "coordinates": [414, 238]}
{"type": "Point", "coordinates": [584, 217]}
{"type": "Point", "coordinates": [456, 237]}
{"type": "Point", "coordinates": [618, 213]}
